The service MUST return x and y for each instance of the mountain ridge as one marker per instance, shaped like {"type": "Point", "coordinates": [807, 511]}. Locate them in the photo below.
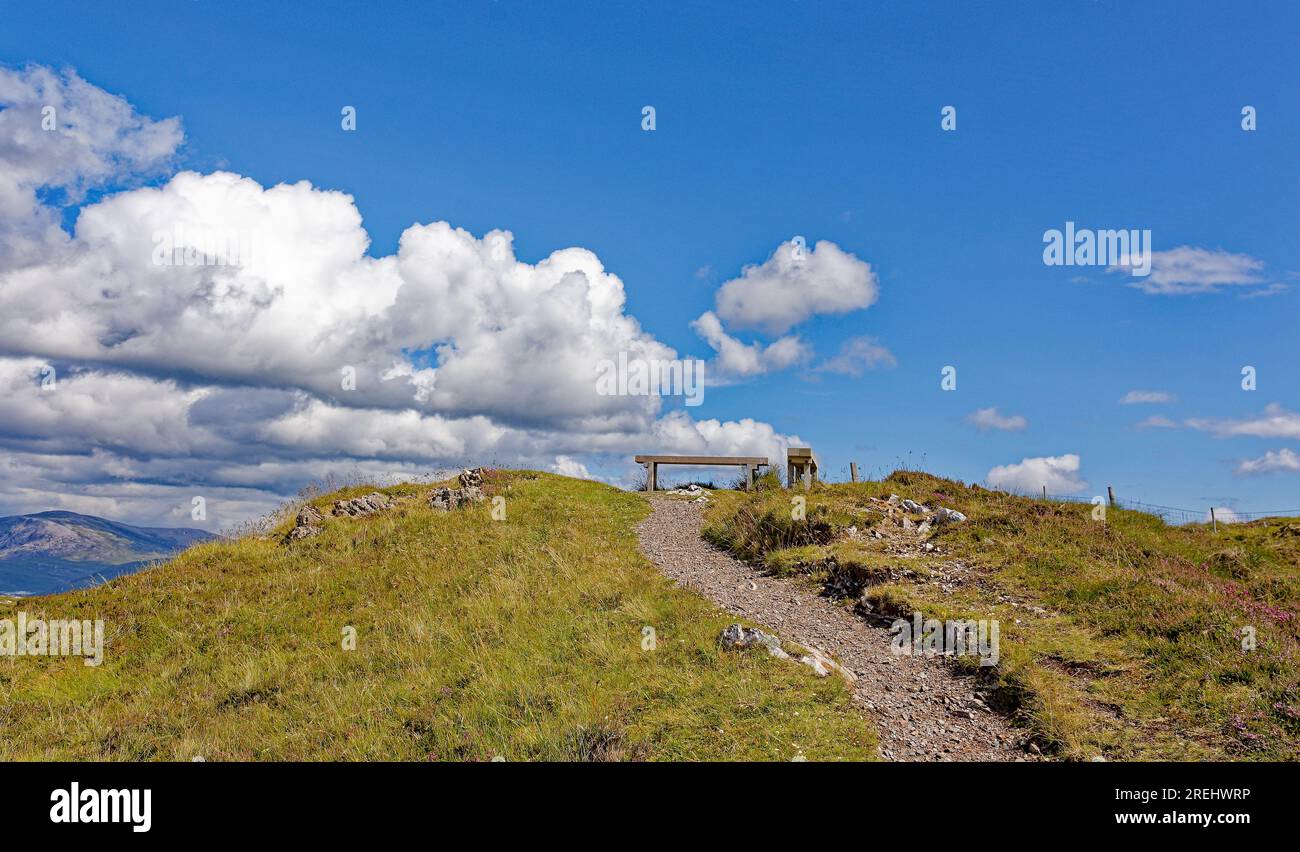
{"type": "Point", "coordinates": [58, 550]}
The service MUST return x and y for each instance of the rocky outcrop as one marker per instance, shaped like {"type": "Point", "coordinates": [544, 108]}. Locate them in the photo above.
{"type": "Point", "coordinates": [358, 506]}
{"type": "Point", "coordinates": [470, 491]}
{"type": "Point", "coordinates": [308, 523]}
{"type": "Point", "coordinates": [446, 499]}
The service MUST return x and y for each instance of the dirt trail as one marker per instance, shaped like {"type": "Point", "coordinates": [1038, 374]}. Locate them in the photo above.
{"type": "Point", "coordinates": [923, 710]}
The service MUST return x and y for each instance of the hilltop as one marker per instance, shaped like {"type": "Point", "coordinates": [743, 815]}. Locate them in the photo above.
{"type": "Point", "coordinates": [523, 622]}
{"type": "Point", "coordinates": [417, 633]}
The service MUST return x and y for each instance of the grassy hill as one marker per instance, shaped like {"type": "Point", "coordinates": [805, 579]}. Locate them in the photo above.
{"type": "Point", "coordinates": [1121, 639]}
{"type": "Point", "coordinates": [475, 638]}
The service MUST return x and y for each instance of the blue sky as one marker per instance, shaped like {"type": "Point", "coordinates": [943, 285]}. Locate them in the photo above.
{"type": "Point", "coordinates": [820, 120]}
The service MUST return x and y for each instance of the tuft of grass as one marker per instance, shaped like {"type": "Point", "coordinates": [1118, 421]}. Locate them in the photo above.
{"type": "Point", "coordinates": [474, 638]}
{"type": "Point", "coordinates": [1122, 638]}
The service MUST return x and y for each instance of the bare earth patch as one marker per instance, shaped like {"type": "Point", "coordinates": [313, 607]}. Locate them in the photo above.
{"type": "Point", "coordinates": [923, 709]}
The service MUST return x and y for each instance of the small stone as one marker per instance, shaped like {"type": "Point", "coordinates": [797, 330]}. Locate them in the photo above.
{"type": "Point", "coordinates": [945, 515]}
{"type": "Point", "coordinates": [739, 637]}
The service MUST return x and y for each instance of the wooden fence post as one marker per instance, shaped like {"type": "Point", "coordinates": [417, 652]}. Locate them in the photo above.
{"type": "Point", "coordinates": [1213, 521]}
{"type": "Point", "coordinates": [1110, 492]}
{"type": "Point", "coordinates": [853, 471]}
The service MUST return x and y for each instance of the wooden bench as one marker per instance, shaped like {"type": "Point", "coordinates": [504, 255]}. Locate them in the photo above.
{"type": "Point", "coordinates": [800, 461]}
{"type": "Point", "coordinates": [749, 463]}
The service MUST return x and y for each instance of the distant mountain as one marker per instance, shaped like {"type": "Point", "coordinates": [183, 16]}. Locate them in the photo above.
{"type": "Point", "coordinates": [56, 551]}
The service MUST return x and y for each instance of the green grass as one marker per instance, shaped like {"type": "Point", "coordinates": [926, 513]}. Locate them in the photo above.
{"type": "Point", "coordinates": [475, 638]}
{"type": "Point", "coordinates": [1137, 650]}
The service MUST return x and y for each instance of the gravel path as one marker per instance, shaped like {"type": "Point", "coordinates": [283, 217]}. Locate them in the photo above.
{"type": "Point", "coordinates": [923, 710]}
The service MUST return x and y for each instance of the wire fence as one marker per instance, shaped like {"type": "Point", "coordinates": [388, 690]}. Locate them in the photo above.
{"type": "Point", "coordinates": [1176, 515]}
{"type": "Point", "coordinates": [1169, 514]}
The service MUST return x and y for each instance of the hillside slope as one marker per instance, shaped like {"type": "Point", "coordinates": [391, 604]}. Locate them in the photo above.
{"type": "Point", "coordinates": [475, 638]}
{"type": "Point", "coordinates": [54, 551]}
{"type": "Point", "coordinates": [1121, 638]}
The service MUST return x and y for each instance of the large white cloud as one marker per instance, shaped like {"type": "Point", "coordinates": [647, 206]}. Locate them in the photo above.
{"type": "Point", "coordinates": [59, 133]}
{"type": "Point", "coordinates": [1060, 475]}
{"type": "Point", "coordinates": [300, 355]}
{"type": "Point", "coordinates": [794, 284]}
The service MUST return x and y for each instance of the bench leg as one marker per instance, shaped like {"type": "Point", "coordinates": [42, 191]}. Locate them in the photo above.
{"type": "Point", "coordinates": [652, 473]}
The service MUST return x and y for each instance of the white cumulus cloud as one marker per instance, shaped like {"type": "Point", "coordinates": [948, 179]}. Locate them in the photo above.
{"type": "Point", "coordinates": [240, 379]}
{"type": "Point", "coordinates": [794, 284]}
{"type": "Point", "coordinates": [1060, 474]}
{"type": "Point", "coordinates": [738, 360]}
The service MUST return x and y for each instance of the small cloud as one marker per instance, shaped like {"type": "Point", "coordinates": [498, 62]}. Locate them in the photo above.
{"type": "Point", "coordinates": [1283, 460]}
{"type": "Point", "coordinates": [705, 272]}
{"type": "Point", "coordinates": [1059, 474]}
{"type": "Point", "coordinates": [1144, 397]}
{"type": "Point", "coordinates": [988, 418]}
{"type": "Point", "coordinates": [1186, 270]}
{"type": "Point", "coordinates": [1276, 422]}
{"type": "Point", "coordinates": [856, 355]}
{"type": "Point", "coordinates": [1265, 292]}
{"type": "Point", "coordinates": [1156, 421]}
{"type": "Point", "coordinates": [736, 359]}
